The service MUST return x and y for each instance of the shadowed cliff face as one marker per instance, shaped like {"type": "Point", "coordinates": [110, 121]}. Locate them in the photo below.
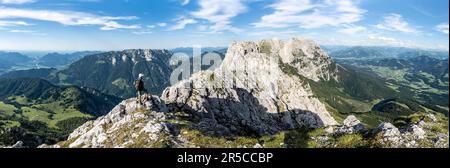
{"type": "Point", "coordinates": [245, 116]}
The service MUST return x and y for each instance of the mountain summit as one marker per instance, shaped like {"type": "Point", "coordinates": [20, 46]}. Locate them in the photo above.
{"type": "Point", "coordinates": [253, 91]}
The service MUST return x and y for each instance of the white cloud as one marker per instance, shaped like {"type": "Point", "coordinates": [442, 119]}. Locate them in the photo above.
{"type": "Point", "coordinates": [21, 31]}
{"type": "Point", "coordinates": [271, 33]}
{"type": "Point", "coordinates": [443, 27]}
{"type": "Point", "coordinates": [389, 41]}
{"type": "Point", "coordinates": [308, 14]}
{"type": "Point", "coordinates": [372, 40]}
{"type": "Point", "coordinates": [5, 23]}
{"type": "Point", "coordinates": [220, 13]}
{"type": "Point", "coordinates": [142, 32]}
{"type": "Point", "coordinates": [90, 0]}
{"type": "Point", "coordinates": [395, 22]}
{"type": "Point", "coordinates": [202, 28]}
{"type": "Point", "coordinates": [352, 29]}
{"type": "Point", "coordinates": [182, 23]}
{"type": "Point", "coordinates": [162, 24]}
{"type": "Point", "coordinates": [69, 18]}
{"type": "Point", "coordinates": [185, 2]}
{"type": "Point", "coordinates": [16, 1]}
{"type": "Point", "coordinates": [384, 38]}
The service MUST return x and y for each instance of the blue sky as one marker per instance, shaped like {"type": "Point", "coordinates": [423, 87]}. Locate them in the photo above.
{"type": "Point", "coordinates": [124, 24]}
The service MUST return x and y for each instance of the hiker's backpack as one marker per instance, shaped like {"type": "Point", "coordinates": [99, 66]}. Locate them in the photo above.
{"type": "Point", "coordinates": [139, 85]}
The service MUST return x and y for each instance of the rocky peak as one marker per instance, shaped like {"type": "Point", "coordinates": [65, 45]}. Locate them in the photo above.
{"type": "Point", "coordinates": [250, 90]}
{"type": "Point", "coordinates": [350, 125]}
{"type": "Point", "coordinates": [146, 54]}
{"type": "Point", "coordinates": [308, 59]}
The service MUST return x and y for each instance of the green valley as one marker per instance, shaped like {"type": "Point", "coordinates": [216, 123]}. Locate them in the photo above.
{"type": "Point", "coordinates": [37, 111]}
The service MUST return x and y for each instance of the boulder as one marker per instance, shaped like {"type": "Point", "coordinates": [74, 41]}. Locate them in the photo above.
{"type": "Point", "coordinates": [417, 132]}
{"type": "Point", "coordinates": [18, 144]}
{"type": "Point", "coordinates": [350, 125]}
{"type": "Point", "coordinates": [387, 135]}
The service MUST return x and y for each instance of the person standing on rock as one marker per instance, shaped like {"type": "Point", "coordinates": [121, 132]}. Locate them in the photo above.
{"type": "Point", "coordinates": [142, 93]}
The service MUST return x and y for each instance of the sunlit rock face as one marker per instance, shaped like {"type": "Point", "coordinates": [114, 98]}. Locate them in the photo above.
{"type": "Point", "coordinates": [256, 90]}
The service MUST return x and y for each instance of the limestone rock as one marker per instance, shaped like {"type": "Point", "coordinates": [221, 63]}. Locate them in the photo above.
{"type": "Point", "coordinates": [418, 132]}
{"type": "Point", "coordinates": [49, 146]}
{"type": "Point", "coordinates": [18, 144]}
{"type": "Point", "coordinates": [351, 121]}
{"type": "Point", "coordinates": [350, 125]}
{"type": "Point", "coordinates": [388, 135]}
{"type": "Point", "coordinates": [258, 146]}
{"type": "Point", "coordinates": [441, 141]}
{"type": "Point", "coordinates": [127, 125]}
{"type": "Point", "coordinates": [410, 136]}
{"type": "Point", "coordinates": [252, 92]}
{"type": "Point", "coordinates": [432, 117]}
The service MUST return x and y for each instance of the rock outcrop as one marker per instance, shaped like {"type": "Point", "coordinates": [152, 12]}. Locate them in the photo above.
{"type": "Point", "coordinates": [129, 124]}
{"type": "Point", "coordinates": [388, 135]}
{"type": "Point", "coordinates": [350, 125]}
{"type": "Point", "coordinates": [418, 134]}
{"type": "Point", "coordinates": [18, 144]}
{"type": "Point", "coordinates": [253, 92]}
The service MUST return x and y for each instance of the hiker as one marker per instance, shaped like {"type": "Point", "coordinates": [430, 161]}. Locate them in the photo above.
{"type": "Point", "coordinates": [142, 93]}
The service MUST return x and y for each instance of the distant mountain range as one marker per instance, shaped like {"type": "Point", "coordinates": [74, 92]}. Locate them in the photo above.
{"type": "Point", "coordinates": [30, 73]}
{"type": "Point", "coordinates": [11, 61]}
{"type": "Point", "coordinates": [112, 72]}
{"type": "Point", "coordinates": [115, 72]}
{"type": "Point", "coordinates": [333, 48]}
{"type": "Point", "coordinates": [57, 60]}
{"type": "Point", "coordinates": [385, 52]}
